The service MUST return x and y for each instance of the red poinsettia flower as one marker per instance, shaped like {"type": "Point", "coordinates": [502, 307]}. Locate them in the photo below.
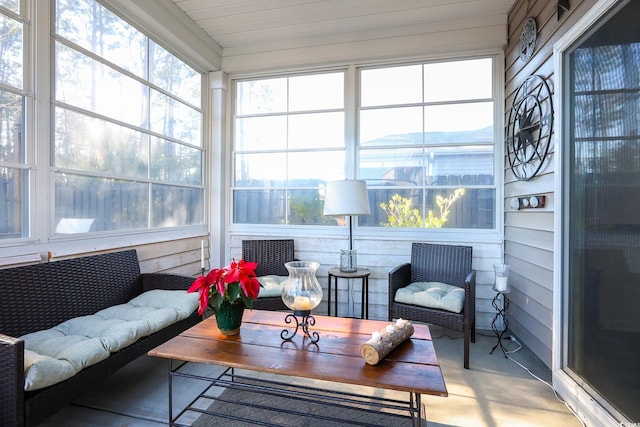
{"type": "Point", "coordinates": [235, 281]}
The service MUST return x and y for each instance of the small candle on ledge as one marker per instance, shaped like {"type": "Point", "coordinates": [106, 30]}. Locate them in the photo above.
{"type": "Point", "coordinates": [301, 303]}
{"type": "Point", "coordinates": [375, 336]}
{"type": "Point", "coordinates": [202, 254]}
{"type": "Point", "coordinates": [390, 329]}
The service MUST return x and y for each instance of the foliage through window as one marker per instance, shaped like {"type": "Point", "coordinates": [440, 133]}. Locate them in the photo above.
{"type": "Point", "coordinates": [14, 170]}
{"type": "Point", "coordinates": [131, 164]}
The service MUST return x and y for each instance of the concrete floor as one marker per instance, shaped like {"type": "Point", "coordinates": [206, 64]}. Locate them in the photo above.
{"type": "Point", "coordinates": [494, 392]}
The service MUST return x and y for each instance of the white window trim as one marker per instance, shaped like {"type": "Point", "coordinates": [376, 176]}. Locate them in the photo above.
{"type": "Point", "coordinates": [495, 235]}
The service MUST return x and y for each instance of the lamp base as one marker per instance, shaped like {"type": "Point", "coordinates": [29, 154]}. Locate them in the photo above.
{"type": "Point", "coordinates": [348, 260]}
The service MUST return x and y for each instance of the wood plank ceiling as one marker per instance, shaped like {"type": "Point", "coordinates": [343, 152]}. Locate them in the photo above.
{"type": "Point", "coordinates": [247, 24]}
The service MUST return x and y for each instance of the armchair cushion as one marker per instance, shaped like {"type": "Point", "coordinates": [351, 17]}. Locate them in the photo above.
{"type": "Point", "coordinates": [432, 295]}
{"type": "Point", "coordinates": [271, 285]}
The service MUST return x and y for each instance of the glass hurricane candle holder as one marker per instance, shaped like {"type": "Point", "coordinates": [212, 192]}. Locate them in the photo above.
{"type": "Point", "coordinates": [301, 293]}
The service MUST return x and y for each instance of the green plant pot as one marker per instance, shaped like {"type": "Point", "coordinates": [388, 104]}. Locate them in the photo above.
{"type": "Point", "coordinates": [229, 317]}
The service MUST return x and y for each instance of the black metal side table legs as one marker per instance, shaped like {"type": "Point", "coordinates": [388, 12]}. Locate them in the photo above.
{"type": "Point", "coordinates": [500, 315]}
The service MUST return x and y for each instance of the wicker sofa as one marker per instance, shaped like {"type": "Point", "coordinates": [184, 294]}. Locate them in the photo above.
{"type": "Point", "coordinates": [37, 297]}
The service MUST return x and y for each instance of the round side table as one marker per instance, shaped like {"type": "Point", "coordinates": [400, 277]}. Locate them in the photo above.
{"type": "Point", "coordinates": [361, 273]}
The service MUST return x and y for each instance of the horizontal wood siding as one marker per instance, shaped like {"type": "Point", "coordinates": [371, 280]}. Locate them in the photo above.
{"type": "Point", "coordinates": [380, 256]}
{"type": "Point", "coordinates": [529, 233]}
{"type": "Point", "coordinates": [181, 256]}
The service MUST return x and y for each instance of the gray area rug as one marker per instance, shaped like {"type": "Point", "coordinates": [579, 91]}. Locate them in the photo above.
{"type": "Point", "coordinates": [263, 408]}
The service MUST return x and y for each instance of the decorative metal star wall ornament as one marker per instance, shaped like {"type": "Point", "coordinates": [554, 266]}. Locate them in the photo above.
{"type": "Point", "coordinates": [529, 129]}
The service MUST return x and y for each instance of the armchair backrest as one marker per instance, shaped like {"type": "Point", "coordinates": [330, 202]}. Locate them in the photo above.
{"type": "Point", "coordinates": [271, 255]}
{"type": "Point", "coordinates": [440, 263]}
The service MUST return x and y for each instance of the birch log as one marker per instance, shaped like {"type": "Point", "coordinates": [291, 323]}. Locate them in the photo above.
{"type": "Point", "coordinates": [382, 342]}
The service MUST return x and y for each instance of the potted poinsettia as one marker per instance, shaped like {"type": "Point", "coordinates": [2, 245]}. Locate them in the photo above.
{"type": "Point", "coordinates": [228, 291]}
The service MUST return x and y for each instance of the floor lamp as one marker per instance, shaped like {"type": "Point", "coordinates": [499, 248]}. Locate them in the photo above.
{"type": "Point", "coordinates": [347, 198]}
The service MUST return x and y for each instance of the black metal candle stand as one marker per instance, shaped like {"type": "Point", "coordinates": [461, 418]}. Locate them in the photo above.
{"type": "Point", "coordinates": [303, 319]}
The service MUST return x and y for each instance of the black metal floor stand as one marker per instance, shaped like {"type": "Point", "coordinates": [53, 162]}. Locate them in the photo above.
{"type": "Point", "coordinates": [501, 314]}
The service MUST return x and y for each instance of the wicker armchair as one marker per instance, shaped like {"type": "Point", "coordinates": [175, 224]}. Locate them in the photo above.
{"type": "Point", "coordinates": [271, 255]}
{"type": "Point", "coordinates": [438, 263]}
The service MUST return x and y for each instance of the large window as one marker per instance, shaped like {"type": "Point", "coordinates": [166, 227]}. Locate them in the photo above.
{"type": "Point", "coordinates": [127, 118]}
{"type": "Point", "coordinates": [14, 171]}
{"type": "Point", "coordinates": [289, 141]}
{"type": "Point", "coordinates": [427, 143]}
{"type": "Point", "coordinates": [423, 136]}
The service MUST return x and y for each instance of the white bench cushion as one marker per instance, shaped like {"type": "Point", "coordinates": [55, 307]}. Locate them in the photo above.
{"type": "Point", "coordinates": [432, 295]}
{"type": "Point", "coordinates": [56, 354]}
{"type": "Point", "coordinates": [271, 285]}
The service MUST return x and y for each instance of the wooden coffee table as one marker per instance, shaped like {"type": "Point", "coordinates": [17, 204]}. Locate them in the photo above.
{"type": "Point", "coordinates": [412, 367]}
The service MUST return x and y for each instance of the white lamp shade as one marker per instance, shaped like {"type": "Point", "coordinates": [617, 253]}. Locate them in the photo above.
{"type": "Point", "coordinates": [346, 197]}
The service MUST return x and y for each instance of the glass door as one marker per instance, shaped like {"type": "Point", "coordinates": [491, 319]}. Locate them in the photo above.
{"type": "Point", "coordinates": [602, 229]}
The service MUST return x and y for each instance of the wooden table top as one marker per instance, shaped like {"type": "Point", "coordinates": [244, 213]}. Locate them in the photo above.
{"type": "Point", "coordinates": [412, 366]}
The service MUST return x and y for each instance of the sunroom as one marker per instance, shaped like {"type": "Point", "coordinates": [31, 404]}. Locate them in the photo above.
{"type": "Point", "coordinates": [181, 128]}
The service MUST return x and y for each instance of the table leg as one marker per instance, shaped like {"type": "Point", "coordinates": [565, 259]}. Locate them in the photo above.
{"type": "Point", "coordinates": [366, 296]}
{"type": "Point", "coordinates": [362, 299]}
{"type": "Point", "coordinates": [329, 296]}
{"type": "Point", "coordinates": [335, 290]}
{"type": "Point", "coordinates": [170, 392]}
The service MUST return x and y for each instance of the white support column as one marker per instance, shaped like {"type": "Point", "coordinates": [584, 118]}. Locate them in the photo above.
{"type": "Point", "coordinates": [218, 165]}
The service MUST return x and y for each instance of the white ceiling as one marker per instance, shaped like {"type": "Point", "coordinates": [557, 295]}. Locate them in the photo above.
{"type": "Point", "coordinates": [241, 24]}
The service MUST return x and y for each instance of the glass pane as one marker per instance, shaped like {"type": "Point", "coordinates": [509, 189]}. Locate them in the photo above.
{"type": "Point", "coordinates": [459, 123]}
{"type": "Point", "coordinates": [316, 92]}
{"type": "Point", "coordinates": [13, 5]}
{"type": "Point", "coordinates": [320, 130]}
{"type": "Point", "coordinates": [111, 204]}
{"type": "Point", "coordinates": [13, 203]}
{"type": "Point", "coordinates": [176, 206]}
{"type": "Point", "coordinates": [470, 165]}
{"type": "Point", "coordinates": [95, 28]}
{"type": "Point", "coordinates": [87, 84]}
{"type": "Point", "coordinates": [173, 75]}
{"type": "Point", "coordinates": [607, 115]}
{"type": "Point", "coordinates": [392, 167]}
{"type": "Point", "coordinates": [93, 145]}
{"type": "Point", "coordinates": [175, 119]}
{"type": "Point", "coordinates": [306, 207]}
{"type": "Point", "coordinates": [11, 128]}
{"type": "Point", "coordinates": [260, 170]}
{"type": "Point", "coordinates": [391, 86]}
{"type": "Point", "coordinates": [391, 126]}
{"type": "Point", "coordinates": [259, 206]}
{"type": "Point", "coordinates": [403, 205]}
{"type": "Point", "coordinates": [603, 238]}
{"type": "Point", "coordinates": [172, 162]}
{"type": "Point", "coordinates": [442, 208]}
{"type": "Point", "coordinates": [261, 96]}
{"type": "Point", "coordinates": [450, 81]}
{"type": "Point", "coordinates": [261, 133]}
{"type": "Point", "coordinates": [11, 55]}
{"type": "Point", "coordinates": [313, 168]}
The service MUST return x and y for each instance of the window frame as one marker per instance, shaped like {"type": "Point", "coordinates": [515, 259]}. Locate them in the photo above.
{"type": "Point", "coordinates": [39, 138]}
{"type": "Point", "coordinates": [352, 159]}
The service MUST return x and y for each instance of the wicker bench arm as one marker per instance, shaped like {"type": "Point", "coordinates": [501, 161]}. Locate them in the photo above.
{"type": "Point", "coordinates": [470, 293]}
{"type": "Point", "coordinates": [165, 281]}
{"type": "Point", "coordinates": [12, 380]}
{"type": "Point", "coordinates": [399, 277]}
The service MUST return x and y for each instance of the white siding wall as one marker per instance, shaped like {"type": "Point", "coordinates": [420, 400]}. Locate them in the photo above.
{"type": "Point", "coordinates": [380, 256]}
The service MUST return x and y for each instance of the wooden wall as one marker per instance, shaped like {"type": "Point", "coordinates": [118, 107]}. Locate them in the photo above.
{"type": "Point", "coordinates": [529, 234]}
{"type": "Point", "coordinates": [380, 255]}
{"type": "Point", "coordinates": [180, 256]}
